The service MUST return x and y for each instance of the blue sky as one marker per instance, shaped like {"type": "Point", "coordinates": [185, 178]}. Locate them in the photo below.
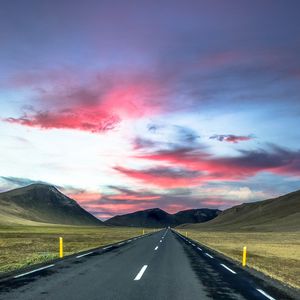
{"type": "Point", "coordinates": [128, 105]}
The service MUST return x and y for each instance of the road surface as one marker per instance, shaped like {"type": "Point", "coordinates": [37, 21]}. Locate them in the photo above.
{"type": "Point", "coordinates": [163, 265]}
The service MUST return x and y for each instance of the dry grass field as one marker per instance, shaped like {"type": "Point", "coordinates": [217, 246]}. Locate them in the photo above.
{"type": "Point", "coordinates": [21, 246]}
{"type": "Point", "coordinates": [276, 254]}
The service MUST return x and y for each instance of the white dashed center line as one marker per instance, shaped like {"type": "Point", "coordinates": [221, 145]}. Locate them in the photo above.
{"type": "Point", "coordinates": [85, 254]}
{"type": "Point", "coordinates": [209, 255]}
{"type": "Point", "coordinates": [227, 268]}
{"type": "Point", "coordinates": [141, 272]}
{"type": "Point", "coordinates": [265, 294]}
{"type": "Point", "coordinates": [160, 241]}
{"type": "Point", "coordinates": [36, 270]}
{"type": "Point", "coordinates": [156, 248]}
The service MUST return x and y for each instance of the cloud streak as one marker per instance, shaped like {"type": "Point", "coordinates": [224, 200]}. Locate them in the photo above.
{"type": "Point", "coordinates": [164, 177]}
{"type": "Point", "coordinates": [248, 163]}
{"type": "Point", "coordinates": [231, 138]}
{"type": "Point", "coordinates": [71, 119]}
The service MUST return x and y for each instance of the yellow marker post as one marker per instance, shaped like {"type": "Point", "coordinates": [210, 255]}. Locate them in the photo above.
{"type": "Point", "coordinates": [186, 233]}
{"type": "Point", "coordinates": [143, 231]}
{"type": "Point", "coordinates": [244, 256]}
{"type": "Point", "coordinates": [61, 248]}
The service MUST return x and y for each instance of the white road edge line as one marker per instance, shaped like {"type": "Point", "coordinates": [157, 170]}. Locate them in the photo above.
{"type": "Point", "coordinates": [36, 270]}
{"type": "Point", "coordinates": [156, 248]}
{"type": "Point", "coordinates": [209, 255]}
{"type": "Point", "coordinates": [85, 254]}
{"type": "Point", "coordinates": [141, 272]}
{"type": "Point", "coordinates": [199, 249]}
{"type": "Point", "coordinates": [228, 268]}
{"type": "Point", "coordinates": [107, 247]}
{"type": "Point", "coordinates": [265, 294]}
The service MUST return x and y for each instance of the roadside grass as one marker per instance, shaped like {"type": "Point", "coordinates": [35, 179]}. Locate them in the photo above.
{"type": "Point", "coordinates": [274, 253]}
{"type": "Point", "coordinates": [22, 246]}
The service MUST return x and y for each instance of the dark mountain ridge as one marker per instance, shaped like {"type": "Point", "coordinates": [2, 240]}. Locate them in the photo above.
{"type": "Point", "coordinates": [156, 217]}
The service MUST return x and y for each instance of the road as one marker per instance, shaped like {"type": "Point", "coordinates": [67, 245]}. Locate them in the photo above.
{"type": "Point", "coordinates": [163, 265]}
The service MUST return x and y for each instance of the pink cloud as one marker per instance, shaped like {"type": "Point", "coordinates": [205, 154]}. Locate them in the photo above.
{"type": "Point", "coordinates": [85, 197]}
{"type": "Point", "coordinates": [116, 208]}
{"type": "Point", "coordinates": [175, 207]}
{"type": "Point", "coordinates": [98, 105]}
{"type": "Point", "coordinates": [126, 201]}
{"type": "Point", "coordinates": [214, 203]}
{"type": "Point", "coordinates": [132, 197]}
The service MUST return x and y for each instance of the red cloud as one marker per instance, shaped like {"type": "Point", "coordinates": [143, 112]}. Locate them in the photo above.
{"type": "Point", "coordinates": [98, 106]}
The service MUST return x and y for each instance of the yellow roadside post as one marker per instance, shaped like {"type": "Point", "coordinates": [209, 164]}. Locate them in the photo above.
{"type": "Point", "coordinates": [61, 248]}
{"type": "Point", "coordinates": [186, 233]}
{"type": "Point", "coordinates": [143, 231]}
{"type": "Point", "coordinates": [244, 256]}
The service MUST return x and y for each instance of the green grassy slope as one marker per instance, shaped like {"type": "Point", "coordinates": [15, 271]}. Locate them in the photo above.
{"type": "Point", "coordinates": [282, 213]}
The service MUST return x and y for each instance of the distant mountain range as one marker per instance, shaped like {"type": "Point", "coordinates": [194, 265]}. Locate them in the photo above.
{"type": "Point", "coordinates": [37, 204]}
{"type": "Point", "coordinates": [278, 214]}
{"type": "Point", "coordinates": [157, 217]}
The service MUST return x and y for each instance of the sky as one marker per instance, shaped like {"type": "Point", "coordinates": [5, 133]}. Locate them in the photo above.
{"type": "Point", "coordinates": [130, 105]}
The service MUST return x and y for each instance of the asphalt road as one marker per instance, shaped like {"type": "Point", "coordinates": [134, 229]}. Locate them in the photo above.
{"type": "Point", "coordinates": [163, 265]}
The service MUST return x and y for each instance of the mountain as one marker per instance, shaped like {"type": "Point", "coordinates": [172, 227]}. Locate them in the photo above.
{"type": "Point", "coordinates": [40, 203]}
{"type": "Point", "coordinates": [156, 217]}
{"type": "Point", "coordinates": [196, 215]}
{"type": "Point", "coordinates": [278, 214]}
